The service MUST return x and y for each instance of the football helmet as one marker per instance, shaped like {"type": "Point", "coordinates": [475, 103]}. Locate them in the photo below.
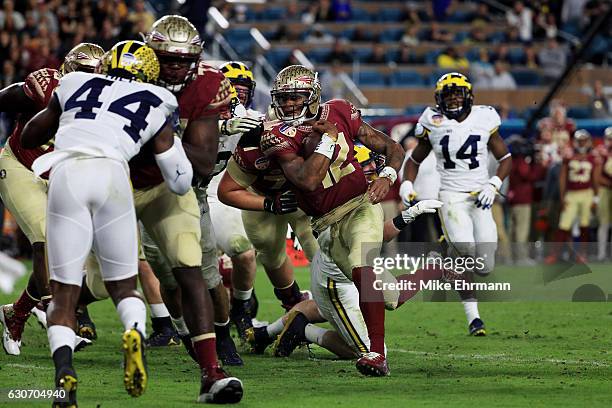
{"type": "Point", "coordinates": [178, 47]}
{"type": "Point", "coordinates": [83, 57]}
{"type": "Point", "coordinates": [290, 82]}
{"type": "Point", "coordinates": [371, 162]}
{"type": "Point", "coordinates": [239, 74]}
{"type": "Point", "coordinates": [454, 95]}
{"type": "Point", "coordinates": [582, 141]}
{"type": "Point", "coordinates": [131, 59]}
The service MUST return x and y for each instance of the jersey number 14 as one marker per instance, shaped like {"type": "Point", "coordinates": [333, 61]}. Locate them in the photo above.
{"type": "Point", "coordinates": [145, 99]}
{"type": "Point", "coordinates": [470, 144]}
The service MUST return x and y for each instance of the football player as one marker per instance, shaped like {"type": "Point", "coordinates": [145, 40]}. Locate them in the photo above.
{"type": "Point", "coordinates": [461, 135]}
{"type": "Point", "coordinates": [25, 195]}
{"type": "Point", "coordinates": [336, 298]}
{"type": "Point", "coordinates": [330, 184]}
{"type": "Point", "coordinates": [174, 223]}
{"type": "Point", "coordinates": [90, 197]}
{"type": "Point", "coordinates": [578, 188]}
{"type": "Point", "coordinates": [605, 195]}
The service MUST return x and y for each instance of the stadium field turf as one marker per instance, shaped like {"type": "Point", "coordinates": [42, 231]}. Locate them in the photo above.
{"type": "Point", "coordinates": [535, 354]}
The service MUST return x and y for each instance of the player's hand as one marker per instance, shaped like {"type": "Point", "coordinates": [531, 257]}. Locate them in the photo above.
{"type": "Point", "coordinates": [486, 197]}
{"type": "Point", "coordinates": [407, 193]}
{"type": "Point", "coordinates": [378, 189]}
{"type": "Point", "coordinates": [422, 207]}
{"type": "Point", "coordinates": [237, 125]}
{"type": "Point", "coordinates": [281, 203]}
{"type": "Point", "coordinates": [324, 126]}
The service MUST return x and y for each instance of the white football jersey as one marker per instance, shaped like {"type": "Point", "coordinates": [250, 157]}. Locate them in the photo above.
{"type": "Point", "coordinates": [113, 115]}
{"type": "Point", "coordinates": [461, 148]}
{"type": "Point", "coordinates": [227, 145]}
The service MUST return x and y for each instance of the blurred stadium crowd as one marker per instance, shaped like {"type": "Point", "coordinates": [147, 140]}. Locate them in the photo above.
{"type": "Point", "coordinates": [392, 51]}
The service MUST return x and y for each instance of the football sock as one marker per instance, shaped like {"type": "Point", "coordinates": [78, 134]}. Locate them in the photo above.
{"type": "Point", "coordinates": [24, 304]}
{"type": "Point", "coordinates": [160, 317]}
{"type": "Point", "coordinates": [314, 334]}
{"type": "Point", "coordinates": [602, 240]}
{"type": "Point", "coordinates": [289, 296]}
{"type": "Point", "coordinates": [222, 330]}
{"type": "Point", "coordinates": [242, 294]}
{"type": "Point", "coordinates": [133, 313]}
{"type": "Point", "coordinates": [470, 306]}
{"type": "Point", "coordinates": [372, 307]}
{"type": "Point", "coordinates": [61, 341]}
{"type": "Point", "coordinates": [205, 347]}
{"type": "Point", "coordinates": [181, 326]}
{"type": "Point", "coordinates": [275, 328]}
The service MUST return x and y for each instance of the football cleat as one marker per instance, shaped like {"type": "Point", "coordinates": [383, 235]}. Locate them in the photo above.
{"type": "Point", "coordinates": [226, 351]}
{"type": "Point", "coordinates": [41, 314]}
{"type": "Point", "coordinates": [12, 329]}
{"type": "Point", "coordinates": [219, 388]}
{"type": "Point", "coordinates": [66, 385]}
{"type": "Point", "coordinates": [477, 328]}
{"type": "Point", "coordinates": [292, 336]}
{"type": "Point", "coordinates": [305, 295]}
{"type": "Point", "coordinates": [373, 364]}
{"type": "Point", "coordinates": [134, 363]}
{"type": "Point", "coordinates": [81, 342]}
{"type": "Point", "coordinates": [258, 339]}
{"type": "Point", "coordinates": [163, 338]}
{"type": "Point", "coordinates": [86, 326]}
{"type": "Point", "coordinates": [186, 340]}
{"type": "Point", "coordinates": [240, 315]}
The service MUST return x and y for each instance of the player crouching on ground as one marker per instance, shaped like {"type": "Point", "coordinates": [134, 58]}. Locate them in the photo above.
{"type": "Point", "coordinates": [336, 298]}
{"type": "Point", "coordinates": [90, 197]}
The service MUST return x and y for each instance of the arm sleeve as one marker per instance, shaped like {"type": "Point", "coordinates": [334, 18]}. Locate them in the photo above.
{"type": "Point", "coordinates": [175, 168]}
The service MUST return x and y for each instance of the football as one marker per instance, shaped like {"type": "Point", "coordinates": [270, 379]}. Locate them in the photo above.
{"type": "Point", "coordinates": [309, 143]}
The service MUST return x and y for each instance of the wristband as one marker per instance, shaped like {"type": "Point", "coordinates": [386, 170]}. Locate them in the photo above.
{"type": "Point", "coordinates": [399, 223]}
{"type": "Point", "coordinates": [496, 182]}
{"type": "Point", "coordinates": [326, 146]}
{"type": "Point", "coordinates": [388, 172]}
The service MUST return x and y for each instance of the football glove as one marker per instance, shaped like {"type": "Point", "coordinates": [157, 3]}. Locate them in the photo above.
{"type": "Point", "coordinates": [422, 207]}
{"type": "Point", "coordinates": [407, 193]}
{"type": "Point", "coordinates": [487, 194]}
{"type": "Point", "coordinates": [281, 203]}
{"type": "Point", "coordinates": [237, 125]}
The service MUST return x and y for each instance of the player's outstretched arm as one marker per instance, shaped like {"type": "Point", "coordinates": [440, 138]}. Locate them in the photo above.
{"type": "Point", "coordinates": [379, 142]}
{"type": "Point", "coordinates": [42, 127]}
{"type": "Point", "coordinates": [235, 195]}
{"type": "Point", "coordinates": [201, 142]}
{"type": "Point", "coordinates": [393, 227]}
{"type": "Point", "coordinates": [411, 169]}
{"type": "Point", "coordinates": [172, 161]}
{"type": "Point", "coordinates": [500, 151]}
{"type": "Point", "coordinates": [13, 99]}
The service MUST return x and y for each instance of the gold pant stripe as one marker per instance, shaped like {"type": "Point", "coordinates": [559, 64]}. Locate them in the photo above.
{"type": "Point", "coordinates": [333, 295]}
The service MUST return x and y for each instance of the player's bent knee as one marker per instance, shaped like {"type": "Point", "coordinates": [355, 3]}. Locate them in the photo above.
{"type": "Point", "coordinates": [238, 245]}
{"type": "Point", "coordinates": [272, 261]}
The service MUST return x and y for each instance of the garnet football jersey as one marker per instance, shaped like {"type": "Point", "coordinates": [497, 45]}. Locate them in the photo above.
{"type": "Point", "coordinates": [38, 86]}
{"type": "Point", "coordinates": [345, 179]}
{"type": "Point", "coordinates": [207, 95]}
{"type": "Point", "coordinates": [580, 172]}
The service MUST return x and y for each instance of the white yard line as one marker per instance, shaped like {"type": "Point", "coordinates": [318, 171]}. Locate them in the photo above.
{"type": "Point", "coordinates": [498, 357]}
{"type": "Point", "coordinates": [30, 366]}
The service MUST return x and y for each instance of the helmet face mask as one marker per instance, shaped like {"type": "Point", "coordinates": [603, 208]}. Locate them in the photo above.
{"type": "Point", "coordinates": [582, 141]}
{"type": "Point", "coordinates": [242, 79]}
{"type": "Point", "coordinates": [296, 95]}
{"type": "Point", "coordinates": [178, 46]}
{"type": "Point", "coordinates": [83, 57]}
{"type": "Point", "coordinates": [131, 60]}
{"type": "Point", "coordinates": [454, 95]}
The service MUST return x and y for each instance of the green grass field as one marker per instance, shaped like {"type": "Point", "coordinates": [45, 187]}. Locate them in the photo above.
{"type": "Point", "coordinates": [536, 354]}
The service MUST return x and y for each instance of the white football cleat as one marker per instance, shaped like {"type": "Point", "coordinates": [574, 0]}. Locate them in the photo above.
{"type": "Point", "coordinates": [11, 331]}
{"type": "Point", "coordinates": [41, 316]}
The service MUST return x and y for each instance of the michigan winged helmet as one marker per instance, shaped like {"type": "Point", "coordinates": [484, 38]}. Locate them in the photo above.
{"type": "Point", "coordinates": [131, 59]}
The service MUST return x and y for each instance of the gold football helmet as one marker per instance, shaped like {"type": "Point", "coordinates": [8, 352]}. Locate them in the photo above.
{"type": "Point", "coordinates": [371, 162]}
{"type": "Point", "coordinates": [131, 59]}
{"type": "Point", "coordinates": [83, 57]}
{"type": "Point", "coordinates": [239, 74]}
{"type": "Point", "coordinates": [582, 141]}
{"type": "Point", "coordinates": [291, 82]}
{"type": "Point", "coordinates": [178, 47]}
